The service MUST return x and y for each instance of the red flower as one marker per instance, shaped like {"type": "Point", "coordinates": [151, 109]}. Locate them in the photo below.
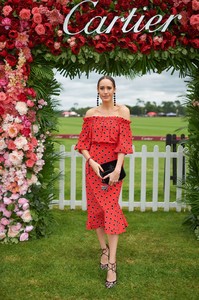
{"type": "Point", "coordinates": [195, 43]}
{"type": "Point", "coordinates": [13, 34]}
{"type": "Point", "coordinates": [25, 132]}
{"type": "Point", "coordinates": [11, 60]}
{"type": "Point", "coordinates": [10, 44]}
{"type": "Point", "coordinates": [22, 97]}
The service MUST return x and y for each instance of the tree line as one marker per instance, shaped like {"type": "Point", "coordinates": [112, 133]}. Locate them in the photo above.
{"type": "Point", "coordinates": [142, 108]}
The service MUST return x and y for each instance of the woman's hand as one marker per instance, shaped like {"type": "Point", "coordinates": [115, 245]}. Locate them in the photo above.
{"type": "Point", "coordinates": [96, 167]}
{"type": "Point", "coordinates": [113, 177]}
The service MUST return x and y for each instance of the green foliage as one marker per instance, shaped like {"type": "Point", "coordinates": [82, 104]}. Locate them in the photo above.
{"type": "Point", "coordinates": [192, 179]}
{"type": "Point", "coordinates": [43, 81]}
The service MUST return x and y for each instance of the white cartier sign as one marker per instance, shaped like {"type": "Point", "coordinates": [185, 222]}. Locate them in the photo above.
{"type": "Point", "coordinates": [151, 25]}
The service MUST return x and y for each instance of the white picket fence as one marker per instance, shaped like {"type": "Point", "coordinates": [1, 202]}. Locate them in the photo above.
{"type": "Point", "coordinates": [131, 203]}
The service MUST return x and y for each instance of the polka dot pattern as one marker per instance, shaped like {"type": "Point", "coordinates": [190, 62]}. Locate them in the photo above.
{"type": "Point", "coordinates": [104, 138]}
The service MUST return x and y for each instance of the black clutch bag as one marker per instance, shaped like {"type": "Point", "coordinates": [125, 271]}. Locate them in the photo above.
{"type": "Point", "coordinates": [110, 167]}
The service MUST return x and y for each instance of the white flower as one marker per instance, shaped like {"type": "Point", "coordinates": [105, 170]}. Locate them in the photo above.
{"type": "Point", "coordinates": [2, 144]}
{"type": "Point", "coordinates": [20, 142]}
{"type": "Point", "coordinates": [21, 107]}
{"type": "Point", "coordinates": [35, 128]}
{"type": "Point", "coordinates": [15, 157]}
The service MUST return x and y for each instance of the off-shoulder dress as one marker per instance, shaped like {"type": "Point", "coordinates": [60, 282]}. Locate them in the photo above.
{"type": "Point", "coordinates": [104, 137]}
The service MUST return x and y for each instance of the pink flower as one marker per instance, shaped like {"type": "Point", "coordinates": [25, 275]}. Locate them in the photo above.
{"type": "Point", "coordinates": [195, 5]}
{"type": "Point", "coordinates": [30, 163]}
{"type": "Point", "coordinates": [12, 131]}
{"type": "Point", "coordinates": [194, 21]}
{"type": "Point", "coordinates": [22, 201]}
{"type": "Point", "coordinates": [7, 10]}
{"type": "Point", "coordinates": [55, 17]}
{"type": "Point", "coordinates": [25, 206]}
{"type": "Point", "coordinates": [25, 14]}
{"type": "Point", "coordinates": [2, 96]}
{"type": "Point", "coordinates": [23, 237]}
{"type": "Point", "coordinates": [57, 45]}
{"type": "Point", "coordinates": [7, 213]}
{"type": "Point", "coordinates": [5, 221]}
{"type": "Point", "coordinates": [37, 18]}
{"type": "Point", "coordinates": [13, 231]}
{"type": "Point", "coordinates": [35, 10]}
{"type": "Point", "coordinates": [7, 200]}
{"type": "Point", "coordinates": [26, 216]}
{"type": "Point", "coordinates": [30, 103]}
{"type": "Point", "coordinates": [19, 213]}
{"type": "Point", "coordinates": [29, 228]}
{"type": "Point", "coordinates": [40, 29]}
{"type": "Point", "coordinates": [6, 22]}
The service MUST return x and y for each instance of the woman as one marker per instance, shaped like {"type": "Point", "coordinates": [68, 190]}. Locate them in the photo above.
{"type": "Point", "coordinates": [105, 136]}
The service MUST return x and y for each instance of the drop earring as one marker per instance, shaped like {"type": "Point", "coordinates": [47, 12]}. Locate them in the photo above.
{"type": "Point", "coordinates": [114, 99]}
{"type": "Point", "coordinates": [97, 99]}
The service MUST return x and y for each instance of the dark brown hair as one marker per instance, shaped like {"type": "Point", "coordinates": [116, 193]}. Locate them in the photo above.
{"type": "Point", "coordinates": [106, 77]}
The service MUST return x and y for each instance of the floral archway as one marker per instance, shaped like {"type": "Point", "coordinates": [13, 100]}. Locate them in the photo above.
{"type": "Point", "coordinates": [33, 42]}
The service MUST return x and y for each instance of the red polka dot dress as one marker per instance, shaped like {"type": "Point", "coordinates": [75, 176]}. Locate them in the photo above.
{"type": "Point", "coordinates": [104, 138]}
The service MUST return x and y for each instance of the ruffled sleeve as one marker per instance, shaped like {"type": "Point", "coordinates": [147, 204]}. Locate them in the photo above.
{"type": "Point", "coordinates": [125, 138]}
{"type": "Point", "coordinates": [84, 141]}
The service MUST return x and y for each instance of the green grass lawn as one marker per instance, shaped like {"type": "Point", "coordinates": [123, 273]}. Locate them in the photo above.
{"type": "Point", "coordinates": [157, 260]}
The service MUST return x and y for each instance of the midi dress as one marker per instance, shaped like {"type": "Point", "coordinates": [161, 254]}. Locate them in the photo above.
{"type": "Point", "coordinates": [104, 137]}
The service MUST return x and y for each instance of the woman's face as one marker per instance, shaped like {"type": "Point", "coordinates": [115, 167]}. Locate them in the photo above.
{"type": "Point", "coordinates": [106, 90]}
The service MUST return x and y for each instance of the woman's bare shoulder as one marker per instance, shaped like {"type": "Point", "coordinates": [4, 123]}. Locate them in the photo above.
{"type": "Point", "coordinates": [124, 112]}
{"type": "Point", "coordinates": [90, 112]}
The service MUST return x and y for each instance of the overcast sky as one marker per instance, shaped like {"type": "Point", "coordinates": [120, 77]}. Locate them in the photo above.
{"type": "Point", "coordinates": [153, 87]}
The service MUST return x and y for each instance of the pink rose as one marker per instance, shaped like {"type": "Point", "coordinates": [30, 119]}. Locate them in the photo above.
{"type": "Point", "coordinates": [7, 213]}
{"type": "Point", "coordinates": [37, 18]}
{"type": "Point", "coordinates": [30, 103]}
{"type": "Point", "coordinates": [194, 21]}
{"type": "Point", "coordinates": [195, 5]}
{"type": "Point", "coordinates": [13, 231]}
{"type": "Point", "coordinates": [7, 200]}
{"type": "Point", "coordinates": [7, 10]}
{"type": "Point", "coordinates": [35, 10]}
{"type": "Point", "coordinates": [29, 228]}
{"type": "Point", "coordinates": [30, 163]}
{"type": "Point", "coordinates": [25, 206]}
{"type": "Point", "coordinates": [40, 29]}
{"type": "Point", "coordinates": [2, 96]}
{"type": "Point", "coordinates": [23, 237]}
{"type": "Point", "coordinates": [5, 221]}
{"type": "Point", "coordinates": [25, 14]}
{"type": "Point", "coordinates": [22, 201]}
{"type": "Point", "coordinates": [19, 213]}
{"type": "Point", "coordinates": [26, 216]}
{"type": "Point", "coordinates": [57, 45]}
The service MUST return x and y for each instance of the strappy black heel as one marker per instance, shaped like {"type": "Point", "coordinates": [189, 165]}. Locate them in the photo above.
{"type": "Point", "coordinates": [111, 267]}
{"type": "Point", "coordinates": [105, 252]}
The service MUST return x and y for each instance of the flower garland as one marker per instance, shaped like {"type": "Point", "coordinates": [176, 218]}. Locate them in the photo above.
{"type": "Point", "coordinates": [20, 151]}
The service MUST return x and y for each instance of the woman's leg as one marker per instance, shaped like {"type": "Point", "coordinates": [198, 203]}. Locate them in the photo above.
{"type": "Point", "coordinates": [113, 242]}
{"type": "Point", "coordinates": [102, 241]}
